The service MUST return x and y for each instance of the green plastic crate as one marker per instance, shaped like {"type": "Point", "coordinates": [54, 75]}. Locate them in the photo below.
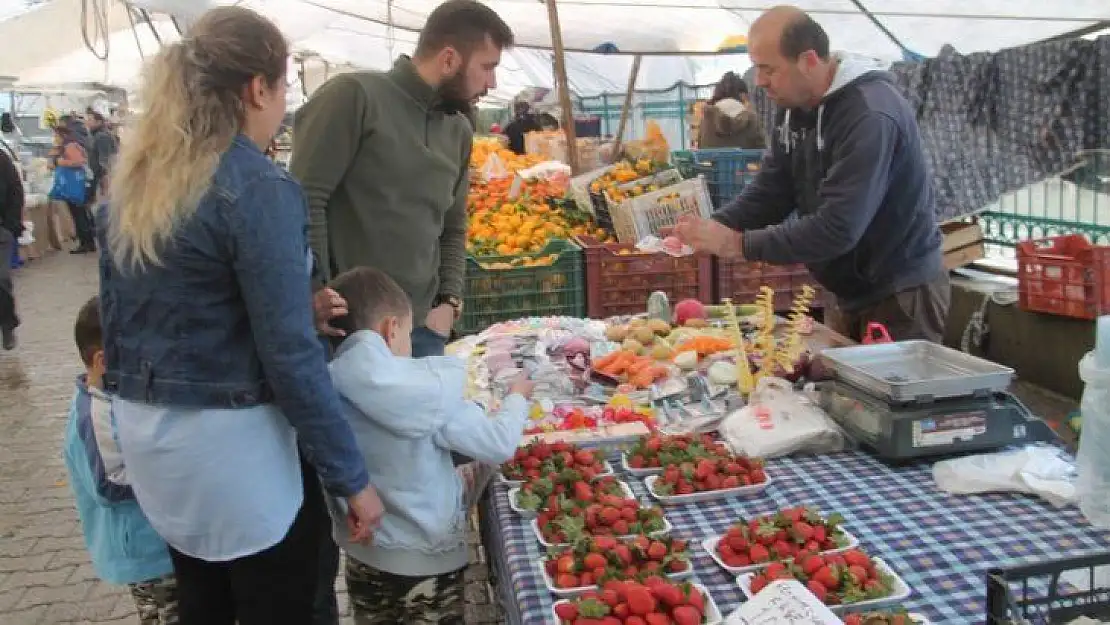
{"type": "Point", "coordinates": [495, 295]}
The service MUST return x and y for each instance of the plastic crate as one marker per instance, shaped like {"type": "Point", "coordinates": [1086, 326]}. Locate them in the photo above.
{"type": "Point", "coordinates": [1064, 276]}
{"type": "Point", "coordinates": [494, 295]}
{"type": "Point", "coordinates": [619, 279]}
{"type": "Point", "coordinates": [741, 281]}
{"type": "Point", "coordinates": [1036, 595]}
{"type": "Point", "coordinates": [726, 170]}
{"type": "Point", "coordinates": [579, 188]}
{"type": "Point", "coordinates": [638, 217]}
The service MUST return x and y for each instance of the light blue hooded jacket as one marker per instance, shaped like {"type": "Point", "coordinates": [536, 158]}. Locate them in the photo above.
{"type": "Point", "coordinates": [408, 414]}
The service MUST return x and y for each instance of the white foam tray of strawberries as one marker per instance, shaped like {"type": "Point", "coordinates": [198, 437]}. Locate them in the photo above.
{"type": "Point", "coordinates": [705, 495]}
{"type": "Point", "coordinates": [577, 590]}
{"type": "Point", "coordinates": [667, 527]}
{"type": "Point", "coordinates": [638, 472]}
{"type": "Point", "coordinates": [899, 592]}
{"type": "Point", "coordinates": [915, 618]}
{"type": "Point", "coordinates": [531, 514]}
{"type": "Point", "coordinates": [712, 614]}
{"type": "Point", "coordinates": [606, 469]}
{"type": "Point", "coordinates": [710, 545]}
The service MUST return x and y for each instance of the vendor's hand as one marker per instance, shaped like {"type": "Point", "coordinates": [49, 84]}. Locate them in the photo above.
{"type": "Point", "coordinates": [440, 319]}
{"type": "Point", "coordinates": [364, 515]}
{"type": "Point", "coordinates": [709, 236]}
{"type": "Point", "coordinates": [523, 386]}
{"type": "Point", "coordinates": [328, 305]}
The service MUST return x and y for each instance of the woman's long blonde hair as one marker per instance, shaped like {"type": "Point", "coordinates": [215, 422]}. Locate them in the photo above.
{"type": "Point", "coordinates": [192, 92]}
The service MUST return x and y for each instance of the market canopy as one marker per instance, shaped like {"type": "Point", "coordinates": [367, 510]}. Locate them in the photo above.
{"type": "Point", "coordinates": [369, 34]}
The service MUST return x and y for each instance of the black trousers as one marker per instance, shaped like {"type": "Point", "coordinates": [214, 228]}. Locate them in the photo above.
{"type": "Point", "coordinates": [82, 222]}
{"type": "Point", "coordinates": [8, 318]}
{"type": "Point", "coordinates": [273, 587]}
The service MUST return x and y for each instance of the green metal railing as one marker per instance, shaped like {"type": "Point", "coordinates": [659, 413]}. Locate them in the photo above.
{"type": "Point", "coordinates": [1075, 202]}
{"type": "Point", "coordinates": [671, 108]}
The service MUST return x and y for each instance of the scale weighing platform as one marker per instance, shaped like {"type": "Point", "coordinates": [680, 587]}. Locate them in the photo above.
{"type": "Point", "coordinates": [916, 399]}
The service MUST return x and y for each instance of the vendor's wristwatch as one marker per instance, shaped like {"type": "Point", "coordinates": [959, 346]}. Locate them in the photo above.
{"type": "Point", "coordinates": [453, 301]}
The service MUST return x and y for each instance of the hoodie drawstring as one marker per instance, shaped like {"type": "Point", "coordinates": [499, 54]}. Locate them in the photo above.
{"type": "Point", "coordinates": [784, 130]}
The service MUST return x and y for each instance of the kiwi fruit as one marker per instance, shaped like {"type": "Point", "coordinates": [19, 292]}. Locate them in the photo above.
{"type": "Point", "coordinates": [633, 346]}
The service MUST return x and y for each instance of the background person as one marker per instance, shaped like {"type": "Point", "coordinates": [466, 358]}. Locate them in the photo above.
{"type": "Point", "coordinates": [211, 352]}
{"type": "Point", "coordinates": [728, 119]}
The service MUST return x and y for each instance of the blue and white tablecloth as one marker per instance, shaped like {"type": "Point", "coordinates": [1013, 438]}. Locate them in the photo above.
{"type": "Point", "coordinates": [941, 545]}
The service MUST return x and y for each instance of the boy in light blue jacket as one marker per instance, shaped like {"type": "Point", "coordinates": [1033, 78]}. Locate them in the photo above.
{"type": "Point", "coordinates": [408, 415]}
{"type": "Point", "coordinates": [122, 545]}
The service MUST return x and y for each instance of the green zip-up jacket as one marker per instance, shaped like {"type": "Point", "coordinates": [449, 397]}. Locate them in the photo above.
{"type": "Point", "coordinates": [384, 167]}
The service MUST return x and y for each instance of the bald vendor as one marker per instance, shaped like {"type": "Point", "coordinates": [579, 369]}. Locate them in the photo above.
{"type": "Point", "coordinates": [845, 159]}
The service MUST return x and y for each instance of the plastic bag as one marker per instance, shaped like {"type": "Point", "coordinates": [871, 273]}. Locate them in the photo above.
{"type": "Point", "coordinates": [1039, 470]}
{"type": "Point", "coordinates": [670, 246]}
{"type": "Point", "coordinates": [28, 236]}
{"type": "Point", "coordinates": [779, 421]}
{"type": "Point", "coordinates": [553, 171]}
{"type": "Point", "coordinates": [494, 168]}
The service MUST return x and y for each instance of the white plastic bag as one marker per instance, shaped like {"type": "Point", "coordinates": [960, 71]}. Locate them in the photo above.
{"type": "Point", "coordinates": [654, 245]}
{"type": "Point", "coordinates": [28, 236]}
{"type": "Point", "coordinates": [494, 168]}
{"type": "Point", "coordinates": [779, 421]}
{"type": "Point", "coordinates": [1040, 470]}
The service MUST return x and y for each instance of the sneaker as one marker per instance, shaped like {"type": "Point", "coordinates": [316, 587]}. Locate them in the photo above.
{"type": "Point", "coordinates": [7, 339]}
{"type": "Point", "coordinates": [83, 249]}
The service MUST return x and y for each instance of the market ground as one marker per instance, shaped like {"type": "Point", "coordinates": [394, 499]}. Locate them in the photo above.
{"type": "Point", "coordinates": [45, 575]}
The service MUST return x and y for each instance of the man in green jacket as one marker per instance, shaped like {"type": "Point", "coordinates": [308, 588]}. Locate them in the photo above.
{"type": "Point", "coordinates": [383, 157]}
{"type": "Point", "coordinates": [384, 161]}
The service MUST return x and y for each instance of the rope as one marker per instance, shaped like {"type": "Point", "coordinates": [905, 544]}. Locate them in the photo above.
{"type": "Point", "coordinates": [977, 329]}
{"type": "Point", "coordinates": [100, 27]}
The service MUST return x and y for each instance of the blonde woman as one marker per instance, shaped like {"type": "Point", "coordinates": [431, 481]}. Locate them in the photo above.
{"type": "Point", "coordinates": [209, 342]}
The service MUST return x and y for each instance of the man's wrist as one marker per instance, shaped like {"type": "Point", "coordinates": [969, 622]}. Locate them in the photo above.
{"type": "Point", "coordinates": [733, 247]}
{"type": "Point", "coordinates": [446, 299]}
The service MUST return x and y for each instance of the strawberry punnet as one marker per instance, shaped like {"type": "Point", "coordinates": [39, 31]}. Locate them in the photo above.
{"type": "Point", "coordinates": [544, 492]}
{"type": "Point", "coordinates": [588, 512]}
{"type": "Point", "coordinates": [780, 536]}
{"type": "Point", "coordinates": [542, 459]}
{"type": "Point", "coordinates": [658, 450]}
{"type": "Point", "coordinates": [655, 601]}
{"type": "Point", "coordinates": [708, 474]}
{"type": "Point", "coordinates": [836, 578]}
{"type": "Point", "coordinates": [880, 617]}
{"type": "Point", "coordinates": [597, 560]}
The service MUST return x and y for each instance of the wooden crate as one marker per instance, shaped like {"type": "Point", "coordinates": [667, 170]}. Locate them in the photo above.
{"type": "Point", "coordinates": [963, 244]}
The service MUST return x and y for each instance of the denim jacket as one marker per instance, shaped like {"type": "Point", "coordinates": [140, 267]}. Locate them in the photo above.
{"type": "Point", "coordinates": [225, 319]}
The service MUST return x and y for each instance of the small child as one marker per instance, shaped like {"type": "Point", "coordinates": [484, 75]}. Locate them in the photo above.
{"type": "Point", "coordinates": [123, 546]}
{"type": "Point", "coordinates": [408, 415]}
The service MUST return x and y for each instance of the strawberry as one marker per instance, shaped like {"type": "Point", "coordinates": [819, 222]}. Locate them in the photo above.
{"type": "Point", "coordinates": [657, 618]}
{"type": "Point", "coordinates": [605, 543]}
{"type": "Point", "coordinates": [566, 580]}
{"type": "Point", "coordinates": [566, 564]}
{"type": "Point", "coordinates": [640, 600]}
{"type": "Point", "coordinates": [818, 589]}
{"type": "Point", "coordinates": [759, 553]}
{"type": "Point", "coordinates": [686, 615]}
{"type": "Point", "coordinates": [610, 597]}
{"type": "Point", "coordinates": [856, 557]}
{"type": "Point", "coordinates": [758, 583]}
{"type": "Point", "coordinates": [623, 554]}
{"type": "Point", "coordinates": [566, 611]}
{"type": "Point", "coordinates": [668, 595]}
{"type": "Point", "coordinates": [620, 610]}
{"type": "Point", "coordinates": [634, 620]}
{"type": "Point", "coordinates": [811, 565]}
{"type": "Point", "coordinates": [858, 574]}
{"type": "Point", "coordinates": [584, 457]}
{"type": "Point", "coordinates": [611, 620]}
{"type": "Point", "coordinates": [826, 578]}
{"type": "Point", "coordinates": [657, 551]}
{"type": "Point", "coordinates": [695, 599]}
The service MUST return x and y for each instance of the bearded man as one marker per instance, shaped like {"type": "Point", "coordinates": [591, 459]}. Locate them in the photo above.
{"type": "Point", "coordinates": [383, 158]}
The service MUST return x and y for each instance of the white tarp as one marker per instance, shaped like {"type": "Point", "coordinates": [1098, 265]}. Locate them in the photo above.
{"type": "Point", "coordinates": [371, 33]}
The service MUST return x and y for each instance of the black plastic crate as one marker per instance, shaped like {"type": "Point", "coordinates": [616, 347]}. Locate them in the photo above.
{"type": "Point", "coordinates": [1035, 594]}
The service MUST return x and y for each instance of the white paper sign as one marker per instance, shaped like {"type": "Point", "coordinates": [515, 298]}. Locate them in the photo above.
{"type": "Point", "coordinates": [784, 602]}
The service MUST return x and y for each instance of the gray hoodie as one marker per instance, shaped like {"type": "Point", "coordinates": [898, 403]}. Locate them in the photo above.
{"type": "Point", "coordinates": [845, 190]}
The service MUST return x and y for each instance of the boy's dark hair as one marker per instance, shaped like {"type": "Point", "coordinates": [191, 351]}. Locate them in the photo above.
{"type": "Point", "coordinates": [464, 26]}
{"type": "Point", "coordinates": [801, 34]}
{"type": "Point", "coordinates": [731, 85]}
{"type": "Point", "coordinates": [87, 331]}
{"type": "Point", "coordinates": [371, 296]}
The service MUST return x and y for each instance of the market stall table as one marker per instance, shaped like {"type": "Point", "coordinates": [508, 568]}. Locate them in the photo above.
{"type": "Point", "coordinates": [942, 545]}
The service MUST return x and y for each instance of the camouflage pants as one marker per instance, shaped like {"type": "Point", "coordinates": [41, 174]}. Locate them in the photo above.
{"type": "Point", "coordinates": [380, 598]}
{"type": "Point", "coordinates": [156, 601]}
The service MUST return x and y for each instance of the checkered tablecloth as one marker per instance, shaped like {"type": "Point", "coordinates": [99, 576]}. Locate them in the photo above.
{"type": "Point", "coordinates": [940, 544]}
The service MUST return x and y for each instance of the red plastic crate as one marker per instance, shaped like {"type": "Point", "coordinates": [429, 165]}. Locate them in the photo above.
{"type": "Point", "coordinates": [1064, 276]}
{"type": "Point", "coordinates": [741, 281]}
{"type": "Point", "coordinates": [619, 278]}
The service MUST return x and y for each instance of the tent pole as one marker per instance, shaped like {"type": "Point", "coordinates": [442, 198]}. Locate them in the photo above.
{"type": "Point", "coordinates": [562, 84]}
{"type": "Point", "coordinates": [627, 108]}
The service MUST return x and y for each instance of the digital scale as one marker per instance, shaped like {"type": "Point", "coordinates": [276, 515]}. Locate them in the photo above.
{"type": "Point", "coordinates": [915, 399]}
